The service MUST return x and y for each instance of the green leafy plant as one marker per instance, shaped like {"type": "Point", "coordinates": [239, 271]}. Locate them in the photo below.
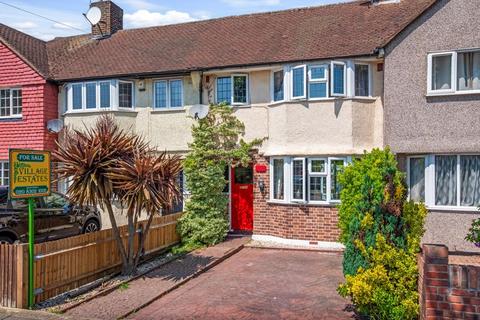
{"type": "Point", "coordinates": [473, 235]}
{"type": "Point", "coordinates": [105, 162]}
{"type": "Point", "coordinates": [381, 232]}
{"type": "Point", "coordinates": [217, 143]}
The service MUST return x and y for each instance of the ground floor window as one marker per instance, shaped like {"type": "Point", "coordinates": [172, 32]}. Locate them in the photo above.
{"type": "Point", "coordinates": [4, 171]}
{"type": "Point", "coordinates": [306, 179]}
{"type": "Point", "coordinates": [445, 180]}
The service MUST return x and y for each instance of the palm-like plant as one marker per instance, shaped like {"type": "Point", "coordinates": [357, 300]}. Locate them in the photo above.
{"type": "Point", "coordinates": [97, 160]}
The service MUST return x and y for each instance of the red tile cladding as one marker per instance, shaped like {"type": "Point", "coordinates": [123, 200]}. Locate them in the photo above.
{"type": "Point", "coordinates": [291, 221]}
{"type": "Point", "coordinates": [40, 104]}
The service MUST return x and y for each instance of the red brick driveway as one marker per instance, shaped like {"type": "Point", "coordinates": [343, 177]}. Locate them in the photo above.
{"type": "Point", "coordinates": [259, 284]}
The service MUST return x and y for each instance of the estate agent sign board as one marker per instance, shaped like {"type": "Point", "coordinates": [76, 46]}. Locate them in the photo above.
{"type": "Point", "coordinates": [29, 178]}
{"type": "Point", "coordinates": [30, 174]}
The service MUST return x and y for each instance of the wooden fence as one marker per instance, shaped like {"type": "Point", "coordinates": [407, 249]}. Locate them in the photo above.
{"type": "Point", "coordinates": [69, 263]}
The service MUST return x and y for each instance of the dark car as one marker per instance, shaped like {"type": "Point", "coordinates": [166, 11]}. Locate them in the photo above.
{"type": "Point", "coordinates": [55, 218]}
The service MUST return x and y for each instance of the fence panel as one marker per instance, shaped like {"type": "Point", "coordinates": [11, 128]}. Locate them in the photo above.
{"type": "Point", "coordinates": [69, 263]}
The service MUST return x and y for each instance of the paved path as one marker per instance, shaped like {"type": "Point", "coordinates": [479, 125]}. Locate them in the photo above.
{"type": "Point", "coordinates": [259, 284]}
{"type": "Point", "coordinates": [18, 314]}
{"type": "Point", "coordinates": [121, 302]}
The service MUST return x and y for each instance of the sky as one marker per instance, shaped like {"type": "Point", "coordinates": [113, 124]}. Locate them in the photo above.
{"type": "Point", "coordinates": [137, 13]}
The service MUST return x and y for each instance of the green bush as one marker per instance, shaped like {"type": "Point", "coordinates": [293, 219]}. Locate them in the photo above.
{"type": "Point", "coordinates": [216, 144]}
{"type": "Point", "coordinates": [381, 232]}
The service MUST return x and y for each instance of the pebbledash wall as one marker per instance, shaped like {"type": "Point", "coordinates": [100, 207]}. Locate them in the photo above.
{"type": "Point", "coordinates": [39, 104]}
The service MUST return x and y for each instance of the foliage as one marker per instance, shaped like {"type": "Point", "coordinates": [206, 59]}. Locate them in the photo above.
{"type": "Point", "coordinates": [381, 232]}
{"type": "Point", "coordinates": [217, 143]}
{"type": "Point", "coordinates": [473, 235]}
{"type": "Point", "coordinates": [105, 162]}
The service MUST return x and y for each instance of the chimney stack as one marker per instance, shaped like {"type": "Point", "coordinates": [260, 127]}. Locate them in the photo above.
{"type": "Point", "coordinates": [111, 21]}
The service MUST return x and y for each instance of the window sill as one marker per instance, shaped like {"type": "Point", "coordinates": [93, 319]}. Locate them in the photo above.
{"type": "Point", "coordinates": [456, 93]}
{"type": "Point", "coordinates": [314, 100]}
{"type": "Point", "coordinates": [95, 111]}
{"type": "Point", "coordinates": [19, 117]}
{"type": "Point", "coordinates": [167, 110]}
{"type": "Point", "coordinates": [303, 204]}
{"type": "Point", "coordinates": [450, 208]}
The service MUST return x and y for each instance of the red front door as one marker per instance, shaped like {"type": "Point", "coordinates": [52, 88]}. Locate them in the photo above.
{"type": "Point", "coordinates": [242, 198]}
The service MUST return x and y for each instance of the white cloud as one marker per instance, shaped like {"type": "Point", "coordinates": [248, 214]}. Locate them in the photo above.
{"type": "Point", "coordinates": [145, 18]}
{"type": "Point", "coordinates": [251, 3]}
{"type": "Point", "coordinates": [25, 25]}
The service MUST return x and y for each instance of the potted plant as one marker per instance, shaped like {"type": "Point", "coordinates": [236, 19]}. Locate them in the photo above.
{"type": "Point", "coordinates": [473, 235]}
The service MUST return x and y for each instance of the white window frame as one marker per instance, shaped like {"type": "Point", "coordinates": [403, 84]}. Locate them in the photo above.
{"type": "Point", "coordinates": [354, 93]}
{"type": "Point", "coordinates": [303, 199]}
{"type": "Point", "coordinates": [272, 85]}
{"type": "Point", "coordinates": [13, 116]}
{"type": "Point", "coordinates": [322, 80]}
{"type": "Point", "coordinates": [99, 92]}
{"type": "Point", "coordinates": [430, 183]}
{"type": "Point", "coordinates": [329, 177]}
{"type": "Point", "coordinates": [285, 180]}
{"type": "Point", "coordinates": [332, 80]}
{"type": "Point", "coordinates": [247, 84]}
{"type": "Point", "coordinates": [318, 174]}
{"type": "Point", "coordinates": [453, 79]}
{"type": "Point", "coordinates": [168, 95]}
{"type": "Point", "coordinates": [84, 95]}
{"type": "Point", "coordinates": [133, 94]}
{"type": "Point", "coordinates": [114, 96]}
{"type": "Point", "coordinates": [2, 173]}
{"type": "Point", "coordinates": [304, 96]}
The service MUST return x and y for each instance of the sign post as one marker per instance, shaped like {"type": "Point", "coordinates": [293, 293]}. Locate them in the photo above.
{"type": "Point", "coordinates": [30, 177]}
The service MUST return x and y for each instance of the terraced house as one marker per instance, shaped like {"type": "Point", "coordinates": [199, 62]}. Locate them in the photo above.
{"type": "Point", "coordinates": [321, 84]}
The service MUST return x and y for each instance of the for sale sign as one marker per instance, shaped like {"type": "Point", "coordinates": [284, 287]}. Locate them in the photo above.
{"type": "Point", "coordinates": [30, 173]}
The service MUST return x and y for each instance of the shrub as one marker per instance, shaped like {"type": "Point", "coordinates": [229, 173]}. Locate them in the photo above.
{"type": "Point", "coordinates": [217, 143]}
{"type": "Point", "coordinates": [381, 233]}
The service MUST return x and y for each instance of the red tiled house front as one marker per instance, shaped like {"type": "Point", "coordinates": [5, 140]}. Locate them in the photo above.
{"type": "Point", "coordinates": [27, 99]}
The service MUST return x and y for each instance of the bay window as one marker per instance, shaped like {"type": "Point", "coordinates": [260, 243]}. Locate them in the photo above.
{"type": "Point", "coordinates": [305, 180]}
{"type": "Point", "coordinates": [96, 95]}
{"type": "Point", "coordinates": [10, 102]}
{"type": "Point", "coordinates": [232, 89]}
{"type": "Point", "coordinates": [4, 171]}
{"type": "Point", "coordinates": [168, 93]}
{"type": "Point", "coordinates": [454, 72]}
{"type": "Point", "coordinates": [445, 180]}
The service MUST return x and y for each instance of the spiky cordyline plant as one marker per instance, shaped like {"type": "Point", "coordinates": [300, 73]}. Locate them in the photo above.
{"type": "Point", "coordinates": [99, 160]}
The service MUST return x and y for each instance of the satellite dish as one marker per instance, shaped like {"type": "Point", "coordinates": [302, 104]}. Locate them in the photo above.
{"type": "Point", "coordinates": [93, 15]}
{"type": "Point", "coordinates": [55, 125]}
{"type": "Point", "coordinates": [198, 111]}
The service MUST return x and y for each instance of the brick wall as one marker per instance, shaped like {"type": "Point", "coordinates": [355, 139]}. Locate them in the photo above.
{"type": "Point", "coordinates": [39, 104]}
{"type": "Point", "coordinates": [291, 221]}
{"type": "Point", "coordinates": [447, 291]}
{"type": "Point", "coordinates": [112, 18]}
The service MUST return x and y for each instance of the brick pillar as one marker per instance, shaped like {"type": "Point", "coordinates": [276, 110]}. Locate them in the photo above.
{"type": "Point", "coordinates": [433, 282]}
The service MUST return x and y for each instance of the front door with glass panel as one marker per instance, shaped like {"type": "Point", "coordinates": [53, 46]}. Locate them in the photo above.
{"type": "Point", "coordinates": [242, 198]}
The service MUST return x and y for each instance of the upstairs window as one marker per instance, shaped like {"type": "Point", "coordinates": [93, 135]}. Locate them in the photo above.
{"type": "Point", "coordinates": [10, 103]}
{"type": "Point", "coordinates": [278, 86]}
{"type": "Point", "coordinates": [232, 89]}
{"type": "Point", "coordinates": [454, 72]}
{"type": "Point", "coordinates": [125, 94]}
{"type": "Point", "coordinates": [299, 81]}
{"type": "Point", "coordinates": [96, 95]}
{"type": "Point", "coordinates": [318, 82]}
{"type": "Point", "coordinates": [168, 93]}
{"type": "Point", "coordinates": [362, 80]}
{"type": "Point", "coordinates": [339, 75]}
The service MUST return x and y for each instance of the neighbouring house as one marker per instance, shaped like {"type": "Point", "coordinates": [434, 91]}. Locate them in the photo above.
{"type": "Point", "coordinates": [28, 96]}
{"type": "Point", "coordinates": [321, 84]}
{"type": "Point", "coordinates": [432, 116]}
